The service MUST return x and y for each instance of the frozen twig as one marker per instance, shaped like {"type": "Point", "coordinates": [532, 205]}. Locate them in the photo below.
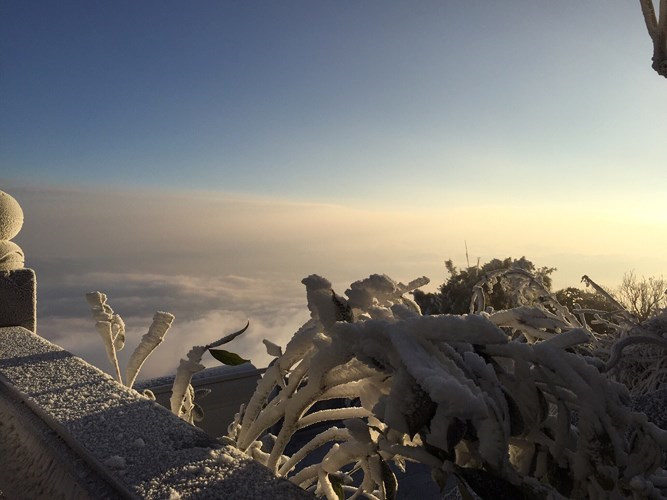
{"type": "Point", "coordinates": [161, 323]}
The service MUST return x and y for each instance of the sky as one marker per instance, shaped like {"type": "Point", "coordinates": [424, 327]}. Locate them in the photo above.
{"type": "Point", "coordinates": [204, 157]}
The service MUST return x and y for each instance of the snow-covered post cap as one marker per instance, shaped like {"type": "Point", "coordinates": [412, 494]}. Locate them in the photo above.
{"type": "Point", "coordinates": [11, 221]}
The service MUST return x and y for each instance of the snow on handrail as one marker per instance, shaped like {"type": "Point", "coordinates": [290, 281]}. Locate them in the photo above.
{"type": "Point", "coordinates": [131, 443]}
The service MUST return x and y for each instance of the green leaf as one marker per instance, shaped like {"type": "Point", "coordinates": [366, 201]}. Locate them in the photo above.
{"type": "Point", "coordinates": [197, 413]}
{"type": "Point", "coordinates": [202, 393]}
{"type": "Point", "coordinates": [337, 485]}
{"type": "Point", "coordinates": [229, 337]}
{"type": "Point", "coordinates": [227, 358]}
{"type": "Point", "coordinates": [389, 480]}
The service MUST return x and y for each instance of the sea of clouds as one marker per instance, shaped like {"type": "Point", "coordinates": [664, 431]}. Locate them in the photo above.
{"type": "Point", "coordinates": [215, 261]}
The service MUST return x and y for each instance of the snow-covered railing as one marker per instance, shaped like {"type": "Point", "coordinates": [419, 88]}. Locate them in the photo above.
{"type": "Point", "coordinates": [69, 430]}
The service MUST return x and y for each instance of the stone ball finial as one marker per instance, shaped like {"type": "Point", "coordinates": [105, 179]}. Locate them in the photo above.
{"type": "Point", "coordinates": [11, 221]}
{"type": "Point", "coordinates": [11, 216]}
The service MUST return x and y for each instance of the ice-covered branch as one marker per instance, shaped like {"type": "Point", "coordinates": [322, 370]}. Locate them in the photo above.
{"type": "Point", "coordinates": [161, 323]}
{"type": "Point", "coordinates": [453, 392]}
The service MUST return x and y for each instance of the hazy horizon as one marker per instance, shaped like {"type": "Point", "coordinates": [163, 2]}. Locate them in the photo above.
{"type": "Point", "coordinates": [216, 261]}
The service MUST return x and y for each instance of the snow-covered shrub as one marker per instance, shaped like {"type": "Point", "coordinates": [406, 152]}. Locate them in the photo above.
{"type": "Point", "coordinates": [485, 397]}
{"type": "Point", "coordinates": [636, 351]}
{"type": "Point", "coordinates": [642, 368]}
{"type": "Point", "coordinates": [183, 394]}
{"type": "Point", "coordinates": [111, 328]}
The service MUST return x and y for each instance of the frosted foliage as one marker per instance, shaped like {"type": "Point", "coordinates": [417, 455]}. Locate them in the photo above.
{"type": "Point", "coordinates": [490, 393]}
{"type": "Point", "coordinates": [182, 393]}
{"type": "Point", "coordinates": [110, 326]}
{"type": "Point", "coordinates": [161, 323]}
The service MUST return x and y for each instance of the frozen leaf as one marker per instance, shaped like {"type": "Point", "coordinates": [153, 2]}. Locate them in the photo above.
{"type": "Point", "coordinates": [389, 481]}
{"type": "Point", "coordinates": [337, 485]}
{"type": "Point", "coordinates": [202, 393]}
{"type": "Point", "coordinates": [272, 349]}
{"type": "Point", "coordinates": [227, 358]}
{"type": "Point", "coordinates": [197, 413]}
{"type": "Point", "coordinates": [229, 337]}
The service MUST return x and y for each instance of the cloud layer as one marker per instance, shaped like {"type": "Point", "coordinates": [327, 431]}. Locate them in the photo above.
{"type": "Point", "coordinates": [215, 261]}
{"type": "Point", "coordinates": [205, 309]}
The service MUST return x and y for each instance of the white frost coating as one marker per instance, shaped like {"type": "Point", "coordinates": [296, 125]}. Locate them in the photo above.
{"type": "Point", "coordinates": [11, 256]}
{"type": "Point", "coordinates": [469, 386]}
{"type": "Point", "coordinates": [176, 456]}
{"type": "Point", "coordinates": [186, 369]}
{"type": "Point", "coordinates": [182, 392]}
{"type": "Point", "coordinates": [11, 216]}
{"type": "Point", "coordinates": [110, 326]}
{"type": "Point", "coordinates": [161, 323]}
{"type": "Point", "coordinates": [11, 220]}
{"type": "Point", "coordinates": [319, 293]}
{"type": "Point", "coordinates": [104, 329]}
{"type": "Point", "coordinates": [272, 349]}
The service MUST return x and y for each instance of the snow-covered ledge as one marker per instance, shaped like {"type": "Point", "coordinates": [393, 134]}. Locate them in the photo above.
{"type": "Point", "coordinates": [17, 284]}
{"type": "Point", "coordinates": [69, 430]}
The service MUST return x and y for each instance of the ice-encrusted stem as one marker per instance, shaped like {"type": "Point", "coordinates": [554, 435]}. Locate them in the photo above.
{"type": "Point", "coordinates": [621, 310]}
{"type": "Point", "coordinates": [104, 329]}
{"type": "Point", "coordinates": [296, 350]}
{"type": "Point", "coordinates": [331, 434]}
{"type": "Point", "coordinates": [103, 312]}
{"type": "Point", "coordinates": [188, 367]}
{"type": "Point", "coordinates": [428, 380]}
{"type": "Point", "coordinates": [332, 414]}
{"type": "Point", "coordinates": [621, 344]}
{"type": "Point", "coordinates": [161, 323]}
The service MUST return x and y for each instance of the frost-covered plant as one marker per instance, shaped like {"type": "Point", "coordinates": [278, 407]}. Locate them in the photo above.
{"type": "Point", "coordinates": [111, 328]}
{"type": "Point", "coordinates": [643, 366]}
{"type": "Point", "coordinates": [488, 396]}
{"type": "Point", "coordinates": [183, 394]}
{"type": "Point", "coordinates": [636, 349]}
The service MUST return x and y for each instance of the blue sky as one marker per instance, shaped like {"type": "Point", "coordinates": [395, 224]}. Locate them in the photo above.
{"type": "Point", "coordinates": [203, 157]}
{"type": "Point", "coordinates": [329, 101]}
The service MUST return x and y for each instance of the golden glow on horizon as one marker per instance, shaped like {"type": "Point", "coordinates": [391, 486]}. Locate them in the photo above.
{"type": "Point", "coordinates": [269, 236]}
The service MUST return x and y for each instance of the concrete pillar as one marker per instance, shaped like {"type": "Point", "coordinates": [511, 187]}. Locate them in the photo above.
{"type": "Point", "coordinates": [18, 291]}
